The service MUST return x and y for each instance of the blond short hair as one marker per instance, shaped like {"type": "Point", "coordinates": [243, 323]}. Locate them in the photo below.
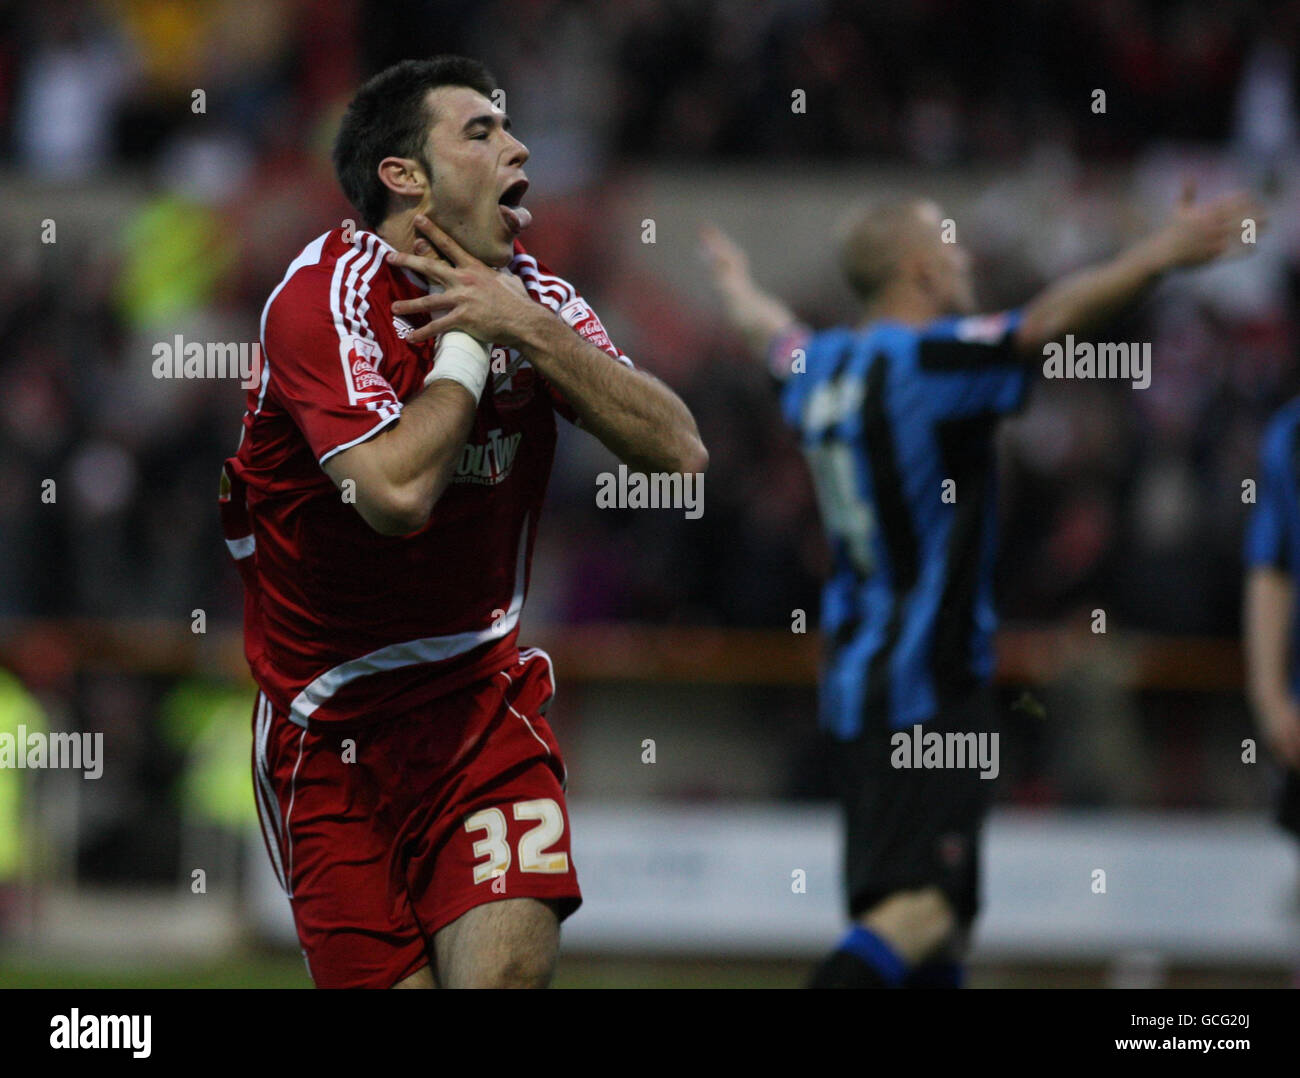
{"type": "Point", "coordinates": [873, 239]}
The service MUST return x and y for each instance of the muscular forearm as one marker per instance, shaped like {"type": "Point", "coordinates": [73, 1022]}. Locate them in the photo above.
{"type": "Point", "coordinates": [1084, 299]}
{"type": "Point", "coordinates": [637, 417]}
{"type": "Point", "coordinates": [400, 474]}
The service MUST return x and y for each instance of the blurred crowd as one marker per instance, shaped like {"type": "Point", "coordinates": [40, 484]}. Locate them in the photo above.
{"type": "Point", "coordinates": [215, 118]}
{"type": "Point", "coordinates": [181, 152]}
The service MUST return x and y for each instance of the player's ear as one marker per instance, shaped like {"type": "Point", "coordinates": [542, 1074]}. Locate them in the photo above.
{"type": "Point", "coordinates": [403, 176]}
{"type": "Point", "coordinates": [918, 267]}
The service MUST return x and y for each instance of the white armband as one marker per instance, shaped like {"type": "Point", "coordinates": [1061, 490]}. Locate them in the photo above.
{"type": "Point", "coordinates": [462, 359]}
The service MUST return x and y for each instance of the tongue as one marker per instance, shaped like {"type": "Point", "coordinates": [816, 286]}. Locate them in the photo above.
{"type": "Point", "coordinates": [517, 218]}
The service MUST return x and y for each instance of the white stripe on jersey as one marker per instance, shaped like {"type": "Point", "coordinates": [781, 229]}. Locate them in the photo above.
{"type": "Point", "coordinates": [428, 649]}
{"type": "Point", "coordinates": [554, 292]}
{"type": "Point", "coordinates": [565, 289]}
{"type": "Point", "coordinates": [350, 286]}
{"type": "Point", "coordinates": [261, 734]}
{"type": "Point", "coordinates": [288, 817]}
{"type": "Point", "coordinates": [386, 409]}
{"type": "Point", "coordinates": [527, 267]}
{"type": "Point", "coordinates": [385, 246]}
{"type": "Point", "coordinates": [263, 791]}
{"type": "Point", "coordinates": [526, 654]}
{"type": "Point", "coordinates": [385, 419]}
{"type": "Point", "coordinates": [308, 256]}
{"type": "Point", "coordinates": [510, 681]}
{"type": "Point", "coordinates": [362, 305]}
{"type": "Point", "coordinates": [344, 292]}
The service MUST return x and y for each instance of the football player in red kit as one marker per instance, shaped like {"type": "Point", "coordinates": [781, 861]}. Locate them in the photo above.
{"type": "Point", "coordinates": [382, 507]}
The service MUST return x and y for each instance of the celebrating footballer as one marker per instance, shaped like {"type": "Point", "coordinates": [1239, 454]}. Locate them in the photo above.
{"type": "Point", "coordinates": [382, 507]}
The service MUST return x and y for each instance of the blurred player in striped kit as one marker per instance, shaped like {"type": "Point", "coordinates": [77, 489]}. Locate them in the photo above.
{"type": "Point", "coordinates": [1272, 629]}
{"type": "Point", "coordinates": [896, 416]}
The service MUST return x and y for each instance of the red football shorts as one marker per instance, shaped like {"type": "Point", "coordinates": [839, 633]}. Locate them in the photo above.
{"type": "Point", "coordinates": [384, 831]}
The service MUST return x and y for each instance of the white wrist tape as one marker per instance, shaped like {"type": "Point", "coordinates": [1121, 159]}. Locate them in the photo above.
{"type": "Point", "coordinates": [462, 359]}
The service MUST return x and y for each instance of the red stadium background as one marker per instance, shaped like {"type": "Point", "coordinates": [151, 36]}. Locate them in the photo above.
{"type": "Point", "coordinates": [162, 162]}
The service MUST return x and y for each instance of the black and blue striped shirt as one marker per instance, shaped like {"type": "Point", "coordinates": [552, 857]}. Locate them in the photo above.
{"type": "Point", "coordinates": [897, 423]}
{"type": "Point", "coordinates": [1273, 534]}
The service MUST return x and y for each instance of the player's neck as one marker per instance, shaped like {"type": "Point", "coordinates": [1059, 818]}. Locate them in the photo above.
{"type": "Point", "coordinates": [908, 307]}
{"type": "Point", "coordinates": [398, 231]}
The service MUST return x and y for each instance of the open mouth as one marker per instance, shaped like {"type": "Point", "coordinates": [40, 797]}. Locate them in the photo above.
{"type": "Point", "coordinates": [515, 216]}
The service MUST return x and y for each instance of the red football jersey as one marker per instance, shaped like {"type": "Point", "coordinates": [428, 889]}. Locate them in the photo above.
{"type": "Point", "coordinates": [340, 622]}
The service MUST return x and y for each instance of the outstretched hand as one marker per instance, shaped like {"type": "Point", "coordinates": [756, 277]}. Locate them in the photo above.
{"type": "Point", "coordinates": [758, 316]}
{"type": "Point", "coordinates": [727, 262]}
{"type": "Point", "coordinates": [1199, 233]}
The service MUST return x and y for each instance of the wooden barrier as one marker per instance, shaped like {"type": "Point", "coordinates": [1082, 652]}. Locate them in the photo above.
{"type": "Point", "coordinates": [623, 652]}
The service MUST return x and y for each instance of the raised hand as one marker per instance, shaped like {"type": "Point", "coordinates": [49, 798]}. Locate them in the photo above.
{"type": "Point", "coordinates": [728, 263]}
{"type": "Point", "coordinates": [1197, 234]}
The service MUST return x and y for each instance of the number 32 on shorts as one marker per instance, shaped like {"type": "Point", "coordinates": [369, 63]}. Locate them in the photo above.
{"type": "Point", "coordinates": [495, 849]}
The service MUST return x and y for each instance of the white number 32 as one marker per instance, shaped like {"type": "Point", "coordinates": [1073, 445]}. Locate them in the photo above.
{"type": "Point", "coordinates": [495, 849]}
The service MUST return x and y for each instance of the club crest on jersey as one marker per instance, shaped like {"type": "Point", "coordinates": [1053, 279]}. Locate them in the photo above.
{"type": "Point", "coordinates": [513, 378]}
{"type": "Point", "coordinates": [583, 319]}
{"type": "Point", "coordinates": [403, 327]}
{"type": "Point", "coordinates": [363, 369]}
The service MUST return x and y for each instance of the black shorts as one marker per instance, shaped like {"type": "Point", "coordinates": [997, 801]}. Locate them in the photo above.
{"type": "Point", "coordinates": [908, 828]}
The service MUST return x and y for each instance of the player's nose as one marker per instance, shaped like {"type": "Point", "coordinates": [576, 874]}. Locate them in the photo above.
{"type": "Point", "coordinates": [517, 153]}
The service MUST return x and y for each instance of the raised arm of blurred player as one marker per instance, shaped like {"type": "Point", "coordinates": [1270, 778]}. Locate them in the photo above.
{"type": "Point", "coordinates": [1269, 602]}
{"type": "Point", "coordinates": [1194, 235]}
{"type": "Point", "coordinates": [637, 417]}
{"type": "Point", "coordinates": [758, 316]}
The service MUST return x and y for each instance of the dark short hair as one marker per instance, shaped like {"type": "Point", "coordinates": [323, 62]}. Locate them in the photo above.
{"type": "Point", "coordinates": [388, 117]}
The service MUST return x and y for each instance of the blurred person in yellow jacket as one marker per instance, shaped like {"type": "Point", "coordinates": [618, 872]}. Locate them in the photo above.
{"type": "Point", "coordinates": [20, 714]}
